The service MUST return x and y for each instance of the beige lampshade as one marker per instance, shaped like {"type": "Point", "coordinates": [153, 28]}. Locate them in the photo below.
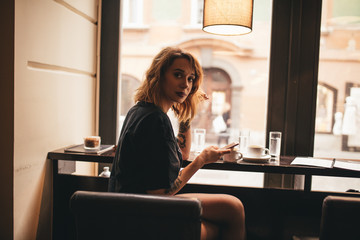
{"type": "Point", "coordinates": [228, 17]}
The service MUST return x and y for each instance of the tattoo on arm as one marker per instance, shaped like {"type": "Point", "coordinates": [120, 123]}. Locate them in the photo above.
{"type": "Point", "coordinates": [175, 186]}
{"type": "Point", "coordinates": [184, 126]}
{"type": "Point", "coordinates": [181, 139]}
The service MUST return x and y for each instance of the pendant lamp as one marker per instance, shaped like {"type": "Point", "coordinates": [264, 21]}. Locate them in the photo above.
{"type": "Point", "coordinates": [228, 17]}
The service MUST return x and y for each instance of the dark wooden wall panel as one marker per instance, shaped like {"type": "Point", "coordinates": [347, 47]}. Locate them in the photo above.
{"type": "Point", "coordinates": [7, 25]}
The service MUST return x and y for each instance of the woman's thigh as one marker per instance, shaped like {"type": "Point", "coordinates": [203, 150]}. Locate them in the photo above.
{"type": "Point", "coordinates": [219, 207]}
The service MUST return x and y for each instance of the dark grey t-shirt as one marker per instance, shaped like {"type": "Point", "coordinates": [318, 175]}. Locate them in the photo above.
{"type": "Point", "coordinates": [147, 155]}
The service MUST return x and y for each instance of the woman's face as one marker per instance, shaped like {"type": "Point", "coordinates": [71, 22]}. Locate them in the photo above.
{"type": "Point", "coordinates": [177, 83]}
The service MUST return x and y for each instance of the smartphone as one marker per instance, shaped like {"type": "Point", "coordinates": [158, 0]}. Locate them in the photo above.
{"type": "Point", "coordinates": [231, 145]}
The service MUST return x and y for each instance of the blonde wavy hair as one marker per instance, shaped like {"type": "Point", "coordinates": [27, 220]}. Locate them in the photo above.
{"type": "Point", "coordinates": [150, 90]}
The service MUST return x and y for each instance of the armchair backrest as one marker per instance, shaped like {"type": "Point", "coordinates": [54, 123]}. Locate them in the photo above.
{"type": "Point", "coordinates": [105, 215]}
{"type": "Point", "coordinates": [340, 218]}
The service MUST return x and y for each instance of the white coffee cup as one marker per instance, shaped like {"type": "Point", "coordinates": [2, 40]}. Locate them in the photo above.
{"type": "Point", "coordinates": [257, 151]}
{"type": "Point", "coordinates": [233, 156]}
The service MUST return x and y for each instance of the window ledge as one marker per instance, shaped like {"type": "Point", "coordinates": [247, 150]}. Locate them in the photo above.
{"type": "Point", "coordinates": [136, 27]}
{"type": "Point", "coordinates": [193, 27]}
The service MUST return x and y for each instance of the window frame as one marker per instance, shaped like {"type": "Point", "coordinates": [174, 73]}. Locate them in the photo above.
{"type": "Point", "coordinates": [109, 69]}
{"type": "Point", "coordinates": [293, 74]}
{"type": "Point", "coordinates": [293, 79]}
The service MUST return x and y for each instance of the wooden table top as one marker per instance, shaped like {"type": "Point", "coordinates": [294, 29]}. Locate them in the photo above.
{"type": "Point", "coordinates": [282, 167]}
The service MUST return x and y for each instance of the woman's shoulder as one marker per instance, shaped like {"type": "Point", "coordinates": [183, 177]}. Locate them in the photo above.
{"type": "Point", "coordinates": [157, 117]}
{"type": "Point", "coordinates": [147, 114]}
{"type": "Point", "coordinates": [151, 111]}
{"type": "Point", "coordinates": [145, 107]}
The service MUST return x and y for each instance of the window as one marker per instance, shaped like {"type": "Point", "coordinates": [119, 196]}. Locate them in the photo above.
{"type": "Point", "coordinates": [338, 126]}
{"type": "Point", "coordinates": [132, 13]}
{"type": "Point", "coordinates": [236, 69]}
{"type": "Point", "coordinates": [218, 102]}
{"type": "Point", "coordinates": [325, 108]}
{"type": "Point", "coordinates": [196, 12]}
{"type": "Point", "coordinates": [297, 70]}
{"type": "Point", "coordinates": [129, 85]}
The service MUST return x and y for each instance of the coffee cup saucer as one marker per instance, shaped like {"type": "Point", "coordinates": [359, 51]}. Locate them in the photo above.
{"type": "Point", "coordinates": [257, 159]}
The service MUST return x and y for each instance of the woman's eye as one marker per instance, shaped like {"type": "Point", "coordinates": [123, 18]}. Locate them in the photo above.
{"type": "Point", "coordinates": [191, 79]}
{"type": "Point", "coordinates": [178, 75]}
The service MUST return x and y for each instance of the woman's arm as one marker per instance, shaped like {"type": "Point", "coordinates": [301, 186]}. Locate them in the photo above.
{"type": "Point", "coordinates": [208, 155]}
{"type": "Point", "coordinates": [184, 139]}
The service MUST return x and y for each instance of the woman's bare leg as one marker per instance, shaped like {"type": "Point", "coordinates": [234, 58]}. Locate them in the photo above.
{"type": "Point", "coordinates": [220, 210]}
{"type": "Point", "coordinates": [209, 231]}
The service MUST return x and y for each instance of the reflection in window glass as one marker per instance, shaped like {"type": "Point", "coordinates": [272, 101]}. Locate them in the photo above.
{"type": "Point", "coordinates": [235, 67]}
{"type": "Point", "coordinates": [338, 99]}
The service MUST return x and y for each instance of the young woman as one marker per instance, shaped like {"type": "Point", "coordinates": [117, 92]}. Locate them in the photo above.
{"type": "Point", "coordinates": [149, 157]}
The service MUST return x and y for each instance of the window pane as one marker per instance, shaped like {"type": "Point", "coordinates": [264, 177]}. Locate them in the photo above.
{"type": "Point", "coordinates": [132, 13]}
{"type": "Point", "coordinates": [338, 99]}
{"type": "Point", "coordinates": [235, 67]}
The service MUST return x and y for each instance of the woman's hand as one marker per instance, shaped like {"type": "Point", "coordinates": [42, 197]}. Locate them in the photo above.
{"type": "Point", "coordinates": [211, 154]}
{"type": "Point", "coordinates": [208, 155]}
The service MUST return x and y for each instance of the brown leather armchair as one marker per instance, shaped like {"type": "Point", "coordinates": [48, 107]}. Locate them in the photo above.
{"type": "Point", "coordinates": [105, 215]}
{"type": "Point", "coordinates": [340, 218]}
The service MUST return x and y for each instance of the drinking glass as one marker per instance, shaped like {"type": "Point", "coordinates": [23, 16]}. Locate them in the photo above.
{"type": "Point", "coordinates": [92, 142]}
{"type": "Point", "coordinates": [244, 138]}
{"type": "Point", "coordinates": [199, 139]}
{"type": "Point", "coordinates": [275, 145]}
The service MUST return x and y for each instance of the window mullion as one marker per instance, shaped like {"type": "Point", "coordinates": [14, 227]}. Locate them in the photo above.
{"type": "Point", "coordinates": [293, 78]}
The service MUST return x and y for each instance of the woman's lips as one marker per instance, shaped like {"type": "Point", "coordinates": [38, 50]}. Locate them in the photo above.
{"type": "Point", "coordinates": [181, 94]}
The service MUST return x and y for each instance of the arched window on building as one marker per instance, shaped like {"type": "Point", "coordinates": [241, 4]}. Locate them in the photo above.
{"type": "Point", "coordinates": [351, 118]}
{"type": "Point", "coordinates": [217, 85]}
{"type": "Point", "coordinates": [129, 85]}
{"type": "Point", "coordinates": [325, 108]}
